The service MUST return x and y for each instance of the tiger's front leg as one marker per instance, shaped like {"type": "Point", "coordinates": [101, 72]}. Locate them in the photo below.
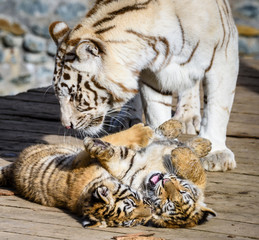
{"type": "Point", "coordinates": [188, 109]}
{"type": "Point", "coordinates": [157, 104]}
{"type": "Point", "coordinates": [219, 88]}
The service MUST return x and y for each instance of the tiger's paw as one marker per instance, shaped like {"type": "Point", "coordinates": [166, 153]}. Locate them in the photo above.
{"type": "Point", "coordinates": [219, 161]}
{"type": "Point", "coordinates": [139, 136]}
{"type": "Point", "coordinates": [200, 146]}
{"type": "Point", "coordinates": [170, 129]}
{"type": "Point", "coordinates": [191, 122]}
{"type": "Point", "coordinates": [98, 149]}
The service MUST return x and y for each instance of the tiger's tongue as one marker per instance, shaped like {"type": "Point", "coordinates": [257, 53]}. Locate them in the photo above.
{"type": "Point", "coordinates": [155, 179]}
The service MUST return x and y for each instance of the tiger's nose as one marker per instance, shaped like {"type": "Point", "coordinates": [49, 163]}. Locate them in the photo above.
{"type": "Point", "coordinates": [69, 126]}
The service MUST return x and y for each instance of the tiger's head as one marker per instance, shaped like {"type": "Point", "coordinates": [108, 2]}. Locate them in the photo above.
{"type": "Point", "coordinates": [111, 204]}
{"type": "Point", "coordinates": [85, 82]}
{"type": "Point", "coordinates": [177, 202]}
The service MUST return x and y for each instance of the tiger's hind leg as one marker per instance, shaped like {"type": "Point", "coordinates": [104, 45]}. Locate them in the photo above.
{"type": "Point", "coordinates": [170, 129]}
{"type": "Point", "coordinates": [138, 136]}
{"type": "Point", "coordinates": [220, 84]}
{"type": "Point", "coordinates": [110, 157]}
{"type": "Point", "coordinates": [6, 175]}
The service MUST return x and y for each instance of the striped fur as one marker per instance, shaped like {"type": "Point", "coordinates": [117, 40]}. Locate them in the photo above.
{"type": "Point", "coordinates": [171, 46]}
{"type": "Point", "coordinates": [166, 172]}
{"type": "Point", "coordinates": [65, 176]}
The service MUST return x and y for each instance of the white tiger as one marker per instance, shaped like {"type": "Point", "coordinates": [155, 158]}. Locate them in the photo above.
{"type": "Point", "coordinates": [171, 45]}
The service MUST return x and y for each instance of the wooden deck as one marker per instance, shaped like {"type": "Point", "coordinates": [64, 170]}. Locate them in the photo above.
{"type": "Point", "coordinates": [33, 117]}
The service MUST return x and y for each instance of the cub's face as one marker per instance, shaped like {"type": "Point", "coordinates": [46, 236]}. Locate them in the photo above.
{"type": "Point", "coordinates": [177, 202]}
{"type": "Point", "coordinates": [113, 204]}
{"type": "Point", "coordinates": [79, 80]}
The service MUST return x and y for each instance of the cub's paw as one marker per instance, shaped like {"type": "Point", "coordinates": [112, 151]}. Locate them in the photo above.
{"type": "Point", "coordinates": [191, 124]}
{"type": "Point", "coordinates": [98, 149]}
{"type": "Point", "coordinates": [200, 146]}
{"type": "Point", "coordinates": [170, 129]}
{"type": "Point", "coordinates": [219, 161]}
{"type": "Point", "coordinates": [139, 136]}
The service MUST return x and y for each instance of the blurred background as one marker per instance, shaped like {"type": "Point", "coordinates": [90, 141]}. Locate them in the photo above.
{"type": "Point", "coordinates": [27, 52]}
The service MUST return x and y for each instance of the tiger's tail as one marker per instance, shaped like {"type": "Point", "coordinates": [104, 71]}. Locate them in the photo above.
{"type": "Point", "coordinates": [6, 175]}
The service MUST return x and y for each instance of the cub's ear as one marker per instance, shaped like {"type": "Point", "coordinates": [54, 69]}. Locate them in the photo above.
{"type": "Point", "coordinates": [102, 194]}
{"type": "Point", "coordinates": [58, 31]}
{"type": "Point", "coordinates": [88, 222]}
{"type": "Point", "coordinates": [207, 214]}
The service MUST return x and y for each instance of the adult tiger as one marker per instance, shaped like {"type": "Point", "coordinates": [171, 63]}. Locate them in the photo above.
{"type": "Point", "coordinates": [171, 46]}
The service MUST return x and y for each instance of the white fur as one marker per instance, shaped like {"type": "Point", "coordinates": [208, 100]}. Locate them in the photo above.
{"type": "Point", "coordinates": [184, 24]}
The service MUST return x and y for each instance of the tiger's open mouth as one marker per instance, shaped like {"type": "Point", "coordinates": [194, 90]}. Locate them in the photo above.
{"type": "Point", "coordinates": [154, 179]}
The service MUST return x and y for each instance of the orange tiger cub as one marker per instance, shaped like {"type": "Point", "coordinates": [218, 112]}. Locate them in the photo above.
{"type": "Point", "coordinates": [167, 172]}
{"type": "Point", "coordinates": [65, 176]}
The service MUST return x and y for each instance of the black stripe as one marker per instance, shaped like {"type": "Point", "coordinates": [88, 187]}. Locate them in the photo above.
{"type": "Point", "coordinates": [126, 152]}
{"type": "Point", "coordinates": [130, 166]}
{"type": "Point", "coordinates": [212, 58]}
{"type": "Point", "coordinates": [182, 31]}
{"type": "Point", "coordinates": [121, 152]}
{"type": "Point", "coordinates": [122, 192]}
{"type": "Point", "coordinates": [135, 174]}
{"type": "Point", "coordinates": [124, 10]}
{"type": "Point", "coordinates": [103, 30]}
{"type": "Point", "coordinates": [116, 192]}
{"type": "Point", "coordinates": [223, 25]}
{"type": "Point", "coordinates": [87, 86]}
{"type": "Point", "coordinates": [192, 53]}
{"type": "Point", "coordinates": [167, 93]}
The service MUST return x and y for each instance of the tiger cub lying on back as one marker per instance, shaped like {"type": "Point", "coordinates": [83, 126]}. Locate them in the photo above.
{"type": "Point", "coordinates": [170, 176]}
{"type": "Point", "coordinates": [65, 176]}
{"type": "Point", "coordinates": [168, 173]}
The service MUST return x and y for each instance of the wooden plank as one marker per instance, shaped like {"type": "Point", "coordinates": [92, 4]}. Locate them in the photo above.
{"type": "Point", "coordinates": [242, 130]}
{"type": "Point", "coordinates": [56, 220]}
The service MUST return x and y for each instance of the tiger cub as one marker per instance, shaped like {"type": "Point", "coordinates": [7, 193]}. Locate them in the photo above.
{"type": "Point", "coordinates": [166, 172]}
{"type": "Point", "coordinates": [65, 176]}
{"type": "Point", "coordinates": [156, 47]}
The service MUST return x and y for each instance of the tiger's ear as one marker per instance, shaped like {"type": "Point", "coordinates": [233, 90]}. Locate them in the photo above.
{"type": "Point", "coordinates": [58, 31]}
{"type": "Point", "coordinates": [102, 193]}
{"type": "Point", "coordinates": [89, 48]}
{"type": "Point", "coordinates": [87, 222]}
{"type": "Point", "coordinates": [207, 214]}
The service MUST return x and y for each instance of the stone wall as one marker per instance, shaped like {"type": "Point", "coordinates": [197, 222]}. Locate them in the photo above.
{"type": "Point", "coordinates": [27, 52]}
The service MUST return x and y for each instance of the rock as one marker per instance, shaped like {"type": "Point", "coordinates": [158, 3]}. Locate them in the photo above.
{"type": "Point", "coordinates": [51, 48]}
{"type": "Point", "coordinates": [35, 58]}
{"type": "Point", "coordinates": [249, 9]}
{"type": "Point", "coordinates": [247, 31]}
{"type": "Point", "coordinates": [22, 79]}
{"type": "Point", "coordinates": [42, 31]}
{"type": "Point", "coordinates": [14, 28]}
{"type": "Point", "coordinates": [248, 45]}
{"type": "Point", "coordinates": [1, 55]}
{"type": "Point", "coordinates": [34, 44]}
{"type": "Point", "coordinates": [10, 40]}
{"type": "Point", "coordinates": [33, 7]}
{"type": "Point", "coordinates": [70, 11]}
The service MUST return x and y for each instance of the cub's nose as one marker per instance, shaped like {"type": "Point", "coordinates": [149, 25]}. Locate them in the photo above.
{"type": "Point", "coordinates": [69, 126]}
